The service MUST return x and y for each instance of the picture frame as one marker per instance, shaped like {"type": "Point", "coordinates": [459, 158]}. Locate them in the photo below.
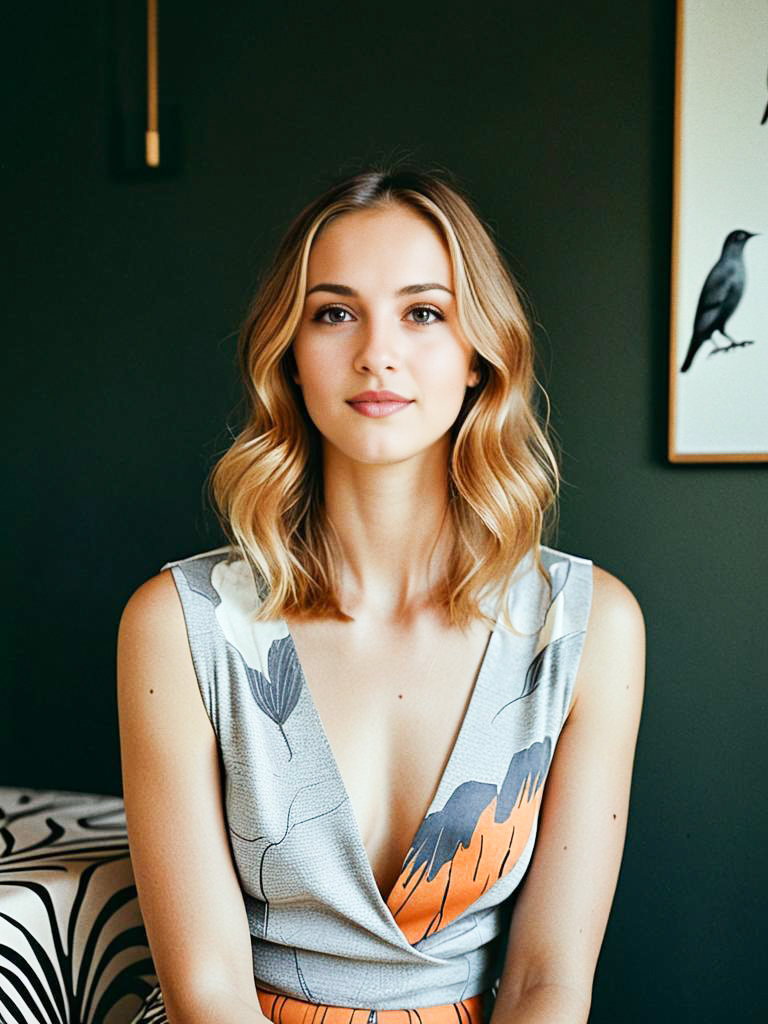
{"type": "Point", "coordinates": [718, 353]}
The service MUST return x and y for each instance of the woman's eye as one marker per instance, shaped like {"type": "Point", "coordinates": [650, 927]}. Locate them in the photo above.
{"type": "Point", "coordinates": [427, 309]}
{"type": "Point", "coordinates": [320, 314]}
{"type": "Point", "coordinates": [330, 309]}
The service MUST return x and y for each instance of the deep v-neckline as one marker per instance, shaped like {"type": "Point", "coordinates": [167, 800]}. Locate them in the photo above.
{"type": "Point", "coordinates": [474, 698]}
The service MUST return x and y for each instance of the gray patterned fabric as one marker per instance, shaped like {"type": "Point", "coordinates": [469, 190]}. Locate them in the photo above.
{"type": "Point", "coordinates": [73, 949]}
{"type": "Point", "coordinates": [321, 931]}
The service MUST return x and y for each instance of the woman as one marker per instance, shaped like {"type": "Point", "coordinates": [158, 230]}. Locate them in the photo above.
{"type": "Point", "coordinates": [345, 734]}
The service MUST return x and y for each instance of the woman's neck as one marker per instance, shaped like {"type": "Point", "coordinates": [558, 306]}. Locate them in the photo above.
{"type": "Point", "coordinates": [394, 530]}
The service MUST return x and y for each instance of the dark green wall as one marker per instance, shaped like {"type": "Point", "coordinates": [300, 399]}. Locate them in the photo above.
{"type": "Point", "coordinates": [122, 302]}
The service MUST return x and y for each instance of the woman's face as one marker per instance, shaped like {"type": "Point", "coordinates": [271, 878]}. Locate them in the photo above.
{"type": "Point", "coordinates": [369, 326]}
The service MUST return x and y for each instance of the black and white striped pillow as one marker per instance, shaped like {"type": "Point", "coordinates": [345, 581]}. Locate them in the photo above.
{"type": "Point", "coordinates": [73, 949]}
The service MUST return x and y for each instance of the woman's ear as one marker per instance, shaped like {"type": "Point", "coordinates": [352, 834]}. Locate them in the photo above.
{"type": "Point", "coordinates": [473, 377]}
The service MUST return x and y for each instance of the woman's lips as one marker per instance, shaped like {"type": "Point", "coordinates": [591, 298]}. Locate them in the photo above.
{"type": "Point", "coordinates": [382, 408]}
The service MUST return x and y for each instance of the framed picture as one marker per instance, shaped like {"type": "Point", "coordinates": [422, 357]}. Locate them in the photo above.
{"type": "Point", "coordinates": [718, 369]}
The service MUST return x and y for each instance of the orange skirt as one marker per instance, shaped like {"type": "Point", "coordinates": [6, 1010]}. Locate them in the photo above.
{"type": "Point", "coordinates": [287, 1010]}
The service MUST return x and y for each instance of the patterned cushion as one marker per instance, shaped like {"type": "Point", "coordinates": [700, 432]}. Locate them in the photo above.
{"type": "Point", "coordinates": [153, 1009]}
{"type": "Point", "coordinates": [73, 949]}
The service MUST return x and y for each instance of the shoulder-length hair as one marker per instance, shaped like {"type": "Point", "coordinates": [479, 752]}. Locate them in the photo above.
{"type": "Point", "coordinates": [503, 472]}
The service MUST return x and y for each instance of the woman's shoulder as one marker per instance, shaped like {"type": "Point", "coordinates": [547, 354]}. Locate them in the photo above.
{"type": "Point", "coordinates": [153, 648]}
{"type": "Point", "coordinates": [157, 598]}
{"type": "Point", "coordinates": [611, 594]}
{"type": "Point", "coordinates": [603, 609]}
{"type": "Point", "coordinates": [607, 591]}
{"type": "Point", "coordinates": [612, 668]}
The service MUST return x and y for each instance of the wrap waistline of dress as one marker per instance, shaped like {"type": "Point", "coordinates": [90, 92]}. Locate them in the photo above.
{"type": "Point", "coordinates": [287, 1010]}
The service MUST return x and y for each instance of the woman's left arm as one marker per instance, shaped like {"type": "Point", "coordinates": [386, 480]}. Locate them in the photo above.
{"type": "Point", "coordinates": [561, 913]}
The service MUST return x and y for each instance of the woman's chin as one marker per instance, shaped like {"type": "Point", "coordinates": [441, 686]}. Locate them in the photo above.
{"type": "Point", "coordinates": [382, 452]}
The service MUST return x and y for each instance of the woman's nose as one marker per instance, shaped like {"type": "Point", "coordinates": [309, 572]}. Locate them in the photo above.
{"type": "Point", "coordinates": [377, 349]}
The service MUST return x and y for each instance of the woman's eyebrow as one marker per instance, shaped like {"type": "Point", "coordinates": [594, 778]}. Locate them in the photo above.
{"type": "Point", "coordinates": [409, 289]}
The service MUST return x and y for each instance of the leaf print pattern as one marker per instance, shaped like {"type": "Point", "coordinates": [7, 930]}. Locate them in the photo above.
{"type": "Point", "coordinates": [476, 839]}
{"type": "Point", "coordinates": [558, 574]}
{"type": "Point", "coordinates": [530, 601]}
{"type": "Point", "coordinates": [278, 694]}
{"type": "Point", "coordinates": [543, 665]}
{"type": "Point", "coordinates": [198, 576]}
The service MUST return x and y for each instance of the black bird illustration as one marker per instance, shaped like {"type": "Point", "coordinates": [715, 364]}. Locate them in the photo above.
{"type": "Point", "coordinates": [765, 115]}
{"type": "Point", "coordinates": [719, 297]}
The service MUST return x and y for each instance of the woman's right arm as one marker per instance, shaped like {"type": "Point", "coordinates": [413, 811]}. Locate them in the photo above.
{"type": "Point", "coordinates": [187, 883]}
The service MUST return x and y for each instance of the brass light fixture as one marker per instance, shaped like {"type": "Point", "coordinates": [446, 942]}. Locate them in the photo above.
{"type": "Point", "coordinates": [136, 106]}
{"type": "Point", "coordinates": [152, 134]}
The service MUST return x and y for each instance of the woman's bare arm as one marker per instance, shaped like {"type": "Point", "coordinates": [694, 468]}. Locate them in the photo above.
{"type": "Point", "coordinates": [560, 916]}
{"type": "Point", "coordinates": [187, 883]}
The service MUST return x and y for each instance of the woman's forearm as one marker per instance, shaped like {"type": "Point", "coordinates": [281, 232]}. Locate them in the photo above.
{"type": "Point", "coordinates": [216, 1007]}
{"type": "Point", "coordinates": [544, 1004]}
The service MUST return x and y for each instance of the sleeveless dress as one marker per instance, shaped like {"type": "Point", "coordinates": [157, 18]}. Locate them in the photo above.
{"type": "Point", "coordinates": [327, 945]}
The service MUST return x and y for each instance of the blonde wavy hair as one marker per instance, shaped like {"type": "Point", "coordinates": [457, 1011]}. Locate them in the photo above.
{"type": "Point", "coordinates": [503, 472]}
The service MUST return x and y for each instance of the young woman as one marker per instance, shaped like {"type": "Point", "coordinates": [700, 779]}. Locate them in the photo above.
{"type": "Point", "coordinates": [377, 750]}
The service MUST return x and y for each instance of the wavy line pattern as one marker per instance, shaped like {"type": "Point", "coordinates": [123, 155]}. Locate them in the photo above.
{"type": "Point", "coordinates": [73, 949]}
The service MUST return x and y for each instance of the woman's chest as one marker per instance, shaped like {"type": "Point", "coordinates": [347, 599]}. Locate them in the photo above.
{"type": "Point", "coordinates": [391, 706]}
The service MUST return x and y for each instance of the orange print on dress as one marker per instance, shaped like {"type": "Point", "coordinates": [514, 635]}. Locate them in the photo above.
{"type": "Point", "coordinates": [470, 844]}
{"type": "Point", "coordinates": [287, 1010]}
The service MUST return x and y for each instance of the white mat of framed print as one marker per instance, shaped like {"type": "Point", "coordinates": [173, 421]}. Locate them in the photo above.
{"type": "Point", "coordinates": [718, 397]}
